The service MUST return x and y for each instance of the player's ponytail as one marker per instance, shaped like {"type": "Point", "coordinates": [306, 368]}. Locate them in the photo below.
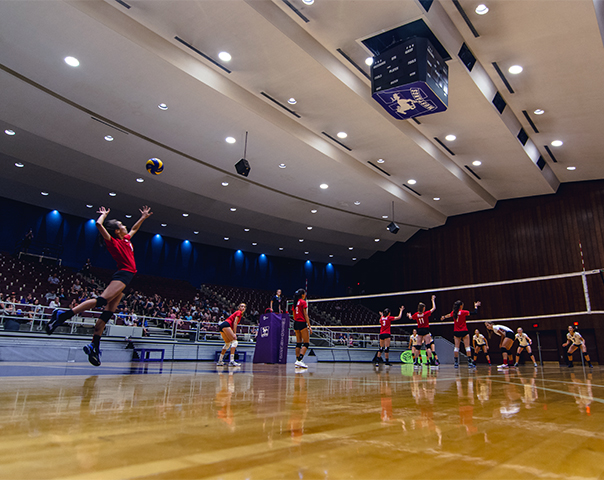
{"type": "Point", "coordinates": [298, 296]}
{"type": "Point", "coordinates": [421, 307]}
{"type": "Point", "coordinates": [456, 306]}
{"type": "Point", "coordinates": [111, 226]}
{"type": "Point", "coordinates": [386, 312]}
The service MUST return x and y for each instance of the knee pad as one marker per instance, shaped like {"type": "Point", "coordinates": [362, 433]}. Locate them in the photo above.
{"type": "Point", "coordinates": [306, 344]}
{"type": "Point", "coordinates": [101, 302]}
{"type": "Point", "coordinates": [468, 350]}
{"type": "Point", "coordinates": [387, 349]}
{"type": "Point", "coordinates": [299, 345]}
{"type": "Point", "coordinates": [456, 350]}
{"type": "Point", "coordinates": [234, 344]}
{"type": "Point", "coordinates": [106, 315]}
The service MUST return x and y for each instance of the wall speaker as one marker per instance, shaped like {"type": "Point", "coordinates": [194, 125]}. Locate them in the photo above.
{"type": "Point", "coordinates": [393, 228]}
{"type": "Point", "coordinates": [243, 167]}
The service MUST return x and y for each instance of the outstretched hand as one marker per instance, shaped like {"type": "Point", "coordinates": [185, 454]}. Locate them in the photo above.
{"type": "Point", "coordinates": [103, 211]}
{"type": "Point", "coordinates": [477, 304]}
{"type": "Point", "coordinates": [146, 211]}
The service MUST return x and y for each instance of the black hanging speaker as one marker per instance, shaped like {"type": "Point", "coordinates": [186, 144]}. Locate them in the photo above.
{"type": "Point", "coordinates": [393, 228]}
{"type": "Point", "coordinates": [243, 167]}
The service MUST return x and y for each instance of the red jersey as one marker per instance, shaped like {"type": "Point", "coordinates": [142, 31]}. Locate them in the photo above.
{"type": "Point", "coordinates": [234, 317]}
{"type": "Point", "coordinates": [459, 325]}
{"type": "Point", "coordinates": [299, 311]}
{"type": "Point", "coordinates": [385, 324]}
{"type": "Point", "coordinates": [122, 252]}
{"type": "Point", "coordinates": [422, 319]}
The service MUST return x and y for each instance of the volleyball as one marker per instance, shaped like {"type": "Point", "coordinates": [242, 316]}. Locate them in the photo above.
{"type": "Point", "coordinates": [155, 166]}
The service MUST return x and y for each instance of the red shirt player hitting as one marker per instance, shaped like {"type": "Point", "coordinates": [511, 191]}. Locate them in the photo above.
{"type": "Point", "coordinates": [385, 320]}
{"type": "Point", "coordinates": [460, 330]}
{"type": "Point", "coordinates": [422, 317]}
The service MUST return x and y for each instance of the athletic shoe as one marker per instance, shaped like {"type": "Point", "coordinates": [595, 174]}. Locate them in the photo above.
{"type": "Point", "coordinates": [570, 365]}
{"type": "Point", "coordinates": [220, 363]}
{"type": "Point", "coordinates": [437, 362]}
{"type": "Point", "coordinates": [387, 363]}
{"type": "Point", "coordinates": [434, 367]}
{"type": "Point", "coordinates": [456, 365]}
{"type": "Point", "coordinates": [417, 365]}
{"type": "Point", "coordinates": [233, 363]}
{"type": "Point", "coordinates": [300, 364]}
{"type": "Point", "coordinates": [516, 365]}
{"type": "Point", "coordinates": [94, 357]}
{"type": "Point", "coordinates": [503, 366]}
{"type": "Point", "coordinates": [535, 365]}
{"type": "Point", "coordinates": [590, 365]}
{"type": "Point", "coordinates": [53, 323]}
{"type": "Point", "coordinates": [471, 364]}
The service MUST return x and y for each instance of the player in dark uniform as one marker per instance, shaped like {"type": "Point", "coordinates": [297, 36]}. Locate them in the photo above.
{"type": "Point", "coordinates": [385, 320]}
{"type": "Point", "coordinates": [117, 239]}
{"type": "Point", "coordinates": [278, 303]}
{"type": "Point", "coordinates": [228, 332]}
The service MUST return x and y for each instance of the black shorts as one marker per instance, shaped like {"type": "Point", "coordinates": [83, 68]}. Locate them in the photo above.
{"type": "Point", "coordinates": [423, 331]}
{"type": "Point", "coordinates": [484, 345]}
{"type": "Point", "coordinates": [300, 325]}
{"type": "Point", "coordinates": [510, 335]}
{"type": "Point", "coordinates": [123, 276]}
{"type": "Point", "coordinates": [461, 334]}
{"type": "Point", "coordinates": [523, 346]}
{"type": "Point", "coordinates": [384, 336]}
{"type": "Point", "coordinates": [223, 325]}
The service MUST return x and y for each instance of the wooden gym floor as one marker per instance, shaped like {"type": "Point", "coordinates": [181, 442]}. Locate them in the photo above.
{"type": "Point", "coordinates": [334, 421]}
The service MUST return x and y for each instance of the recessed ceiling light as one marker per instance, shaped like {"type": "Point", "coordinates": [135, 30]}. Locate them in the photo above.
{"type": "Point", "coordinates": [354, 258]}
{"type": "Point", "coordinates": [539, 112]}
{"type": "Point", "coordinates": [481, 9]}
{"type": "Point", "coordinates": [324, 186]}
{"type": "Point", "coordinates": [342, 134]}
{"type": "Point", "coordinates": [162, 106]}
{"type": "Point", "coordinates": [72, 61]}
{"type": "Point", "coordinates": [308, 2]}
{"type": "Point", "coordinates": [225, 184]}
{"type": "Point", "coordinates": [185, 214]}
{"type": "Point", "coordinates": [308, 228]}
{"type": "Point", "coordinates": [292, 101]}
{"type": "Point", "coordinates": [384, 216]}
{"type": "Point", "coordinates": [557, 143]}
{"type": "Point", "coordinates": [109, 138]}
{"type": "Point", "coordinates": [88, 206]}
{"type": "Point", "coordinates": [226, 238]}
{"type": "Point", "coordinates": [196, 232]}
{"type": "Point", "coordinates": [477, 163]}
{"type": "Point", "coordinates": [313, 211]}
{"type": "Point", "coordinates": [128, 216]}
{"type": "Point", "coordinates": [164, 224]}
{"type": "Point", "coordinates": [436, 199]}
{"type": "Point", "coordinates": [140, 180]}
{"type": "Point", "coordinates": [450, 138]}
{"type": "Point", "coordinates": [44, 193]}
{"type": "Point", "coordinates": [230, 140]}
{"type": "Point", "coordinates": [9, 132]}
{"type": "Point", "coordinates": [280, 248]}
{"type": "Point", "coordinates": [350, 248]}
{"type": "Point", "coordinates": [233, 209]}
{"type": "Point", "coordinates": [301, 240]}
{"type": "Point", "coordinates": [112, 194]}
{"type": "Point", "coordinates": [254, 243]}
{"type": "Point", "coordinates": [377, 240]}
{"type": "Point", "coordinates": [331, 256]}
{"type": "Point", "coordinates": [282, 165]}
{"type": "Point", "coordinates": [515, 69]}
{"type": "Point", "coordinates": [225, 56]}
{"type": "Point", "coordinates": [380, 160]}
{"type": "Point", "coordinates": [411, 181]}
{"type": "Point", "coordinates": [246, 229]}
{"type": "Point", "coordinates": [357, 203]}
{"type": "Point", "coordinates": [571, 168]}
{"type": "Point", "coordinates": [369, 61]}
{"type": "Point", "coordinates": [19, 165]}
{"type": "Point", "coordinates": [305, 253]}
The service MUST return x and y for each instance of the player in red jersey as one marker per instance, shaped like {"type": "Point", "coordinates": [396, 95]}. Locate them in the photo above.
{"type": "Point", "coordinates": [302, 327]}
{"type": "Point", "coordinates": [385, 320]}
{"type": "Point", "coordinates": [117, 239]}
{"type": "Point", "coordinates": [228, 332]}
{"type": "Point", "coordinates": [460, 330]}
{"type": "Point", "coordinates": [422, 317]}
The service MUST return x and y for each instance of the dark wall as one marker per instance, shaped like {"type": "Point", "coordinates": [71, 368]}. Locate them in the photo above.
{"type": "Point", "coordinates": [165, 256]}
{"type": "Point", "coordinates": [517, 239]}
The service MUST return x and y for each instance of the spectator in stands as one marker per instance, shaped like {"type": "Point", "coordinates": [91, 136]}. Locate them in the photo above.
{"type": "Point", "coordinates": [27, 239]}
{"type": "Point", "coordinates": [53, 279]}
{"type": "Point", "coordinates": [278, 303]}
{"type": "Point", "coordinates": [86, 268]}
{"type": "Point", "coordinates": [76, 287]}
{"type": "Point", "coordinates": [54, 303]}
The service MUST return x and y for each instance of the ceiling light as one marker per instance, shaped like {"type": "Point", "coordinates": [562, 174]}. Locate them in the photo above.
{"type": "Point", "coordinates": [308, 2]}
{"type": "Point", "coordinates": [88, 206]}
{"type": "Point", "coordinates": [226, 238]}
{"type": "Point", "coordinates": [162, 106]}
{"type": "Point", "coordinates": [282, 165]}
{"type": "Point", "coordinates": [19, 165]}
{"type": "Point", "coordinates": [185, 214]}
{"type": "Point", "coordinates": [109, 138]}
{"type": "Point", "coordinates": [342, 134]}
{"type": "Point", "coordinates": [301, 240]}
{"type": "Point", "coordinates": [196, 232]}
{"type": "Point", "coordinates": [308, 228]}
{"type": "Point", "coordinates": [350, 248]}
{"type": "Point", "coordinates": [44, 193]}
{"type": "Point", "coordinates": [515, 69]}
{"type": "Point", "coordinates": [411, 181]}
{"type": "Point", "coordinates": [230, 140]}
{"type": "Point", "coordinates": [254, 244]}
{"type": "Point", "coordinates": [557, 143]}
{"type": "Point", "coordinates": [436, 199]}
{"type": "Point", "coordinates": [539, 112]}
{"type": "Point", "coordinates": [357, 203]}
{"type": "Point", "coordinates": [128, 216]}
{"type": "Point", "coordinates": [571, 168]}
{"type": "Point", "coordinates": [331, 256]}
{"type": "Point", "coordinates": [112, 194]}
{"type": "Point", "coordinates": [224, 56]}
{"type": "Point", "coordinates": [384, 216]}
{"type": "Point", "coordinates": [280, 248]}
{"type": "Point", "coordinates": [72, 61]}
{"type": "Point", "coordinates": [377, 240]}
{"type": "Point", "coordinates": [354, 258]}
{"type": "Point", "coordinates": [450, 138]}
{"type": "Point", "coordinates": [292, 101]}
{"type": "Point", "coordinates": [477, 163]}
{"type": "Point", "coordinates": [482, 9]}
{"type": "Point", "coordinates": [164, 224]}
{"type": "Point", "coordinates": [369, 61]}
{"type": "Point", "coordinates": [233, 209]}
{"type": "Point", "coordinates": [9, 132]}
{"type": "Point", "coordinates": [305, 253]}
{"type": "Point", "coordinates": [324, 186]}
{"type": "Point", "coordinates": [225, 184]}
{"type": "Point", "coordinates": [313, 211]}
{"type": "Point", "coordinates": [140, 180]}
{"type": "Point", "coordinates": [380, 160]}
{"type": "Point", "coordinates": [246, 229]}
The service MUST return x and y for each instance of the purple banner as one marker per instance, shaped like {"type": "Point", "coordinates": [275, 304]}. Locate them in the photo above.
{"type": "Point", "coordinates": [272, 339]}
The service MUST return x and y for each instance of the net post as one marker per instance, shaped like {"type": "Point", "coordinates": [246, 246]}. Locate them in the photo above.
{"type": "Point", "coordinates": [586, 292]}
{"type": "Point", "coordinates": [539, 348]}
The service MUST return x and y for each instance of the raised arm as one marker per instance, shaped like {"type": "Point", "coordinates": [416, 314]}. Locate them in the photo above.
{"type": "Point", "coordinates": [433, 304]}
{"type": "Point", "coordinates": [476, 305]}
{"type": "Point", "coordinates": [400, 314]}
{"type": "Point", "coordinates": [99, 223]}
{"type": "Point", "coordinates": [145, 213]}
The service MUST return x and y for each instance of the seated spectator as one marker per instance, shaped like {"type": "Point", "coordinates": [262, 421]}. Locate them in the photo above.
{"type": "Point", "coordinates": [54, 279]}
{"type": "Point", "coordinates": [51, 295]}
{"type": "Point", "coordinates": [54, 303]}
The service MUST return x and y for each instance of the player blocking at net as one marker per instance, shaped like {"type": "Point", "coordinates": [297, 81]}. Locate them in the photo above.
{"type": "Point", "coordinates": [422, 317]}
{"type": "Point", "coordinates": [460, 330]}
{"type": "Point", "coordinates": [385, 321]}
